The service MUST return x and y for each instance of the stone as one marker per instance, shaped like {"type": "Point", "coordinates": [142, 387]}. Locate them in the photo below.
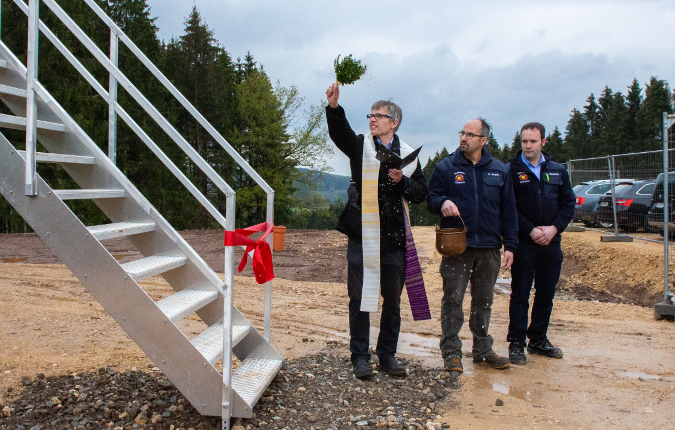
{"type": "Point", "coordinates": [156, 418]}
{"type": "Point", "coordinates": [499, 402]}
{"type": "Point", "coordinates": [41, 376]}
{"type": "Point", "coordinates": [6, 412]}
{"type": "Point", "coordinates": [362, 423]}
{"type": "Point", "coordinates": [391, 418]}
{"type": "Point", "coordinates": [124, 416]}
{"type": "Point", "coordinates": [141, 420]}
{"type": "Point", "coordinates": [311, 418]}
{"type": "Point", "coordinates": [26, 381]}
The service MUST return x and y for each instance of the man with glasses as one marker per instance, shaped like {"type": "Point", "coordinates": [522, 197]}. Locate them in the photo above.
{"type": "Point", "coordinates": [376, 250]}
{"type": "Point", "coordinates": [476, 187]}
{"type": "Point", "coordinates": [545, 205]}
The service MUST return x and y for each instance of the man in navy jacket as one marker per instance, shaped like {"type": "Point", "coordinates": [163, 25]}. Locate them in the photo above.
{"type": "Point", "coordinates": [473, 185]}
{"type": "Point", "coordinates": [545, 204]}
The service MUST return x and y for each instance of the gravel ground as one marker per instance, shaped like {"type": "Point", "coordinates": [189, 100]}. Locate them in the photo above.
{"type": "Point", "coordinates": [315, 392]}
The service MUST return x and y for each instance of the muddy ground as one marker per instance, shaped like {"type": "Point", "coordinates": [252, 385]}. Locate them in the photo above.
{"type": "Point", "coordinates": [618, 370]}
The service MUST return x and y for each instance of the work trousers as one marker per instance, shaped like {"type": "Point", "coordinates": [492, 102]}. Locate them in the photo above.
{"type": "Point", "coordinates": [541, 264]}
{"type": "Point", "coordinates": [392, 276]}
{"type": "Point", "coordinates": [481, 267]}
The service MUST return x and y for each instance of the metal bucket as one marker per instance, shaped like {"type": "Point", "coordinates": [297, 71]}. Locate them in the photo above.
{"type": "Point", "coordinates": [450, 241]}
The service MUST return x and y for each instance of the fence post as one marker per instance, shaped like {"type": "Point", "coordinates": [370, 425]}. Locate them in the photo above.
{"type": "Point", "coordinates": [665, 309]}
{"type": "Point", "coordinates": [31, 101]}
{"type": "Point", "coordinates": [612, 184]}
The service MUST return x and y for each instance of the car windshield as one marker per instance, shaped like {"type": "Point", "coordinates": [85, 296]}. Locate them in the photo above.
{"type": "Point", "coordinates": [620, 188]}
{"type": "Point", "coordinates": [578, 188]}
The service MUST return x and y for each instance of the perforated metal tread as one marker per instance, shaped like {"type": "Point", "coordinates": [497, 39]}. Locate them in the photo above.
{"type": "Point", "coordinates": [210, 342]}
{"type": "Point", "coordinates": [253, 376]}
{"type": "Point", "coordinates": [119, 229]}
{"type": "Point", "coordinates": [150, 266]}
{"type": "Point", "coordinates": [89, 194]}
{"type": "Point", "coordinates": [50, 157]}
{"type": "Point", "coordinates": [12, 91]}
{"type": "Point", "coordinates": [19, 123]}
{"type": "Point", "coordinates": [183, 303]}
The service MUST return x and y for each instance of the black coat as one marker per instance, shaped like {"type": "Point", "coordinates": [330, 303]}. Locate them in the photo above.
{"type": "Point", "coordinates": [413, 189]}
{"type": "Point", "coordinates": [549, 201]}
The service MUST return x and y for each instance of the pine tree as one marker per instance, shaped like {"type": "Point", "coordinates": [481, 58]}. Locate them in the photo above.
{"type": "Point", "coordinates": [493, 147]}
{"type": "Point", "coordinates": [555, 147]}
{"type": "Point", "coordinates": [576, 135]}
{"type": "Point", "coordinates": [650, 117]}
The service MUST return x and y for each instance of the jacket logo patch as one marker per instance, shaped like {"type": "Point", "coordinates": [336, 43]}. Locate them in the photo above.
{"type": "Point", "coordinates": [522, 176]}
{"type": "Point", "coordinates": [459, 178]}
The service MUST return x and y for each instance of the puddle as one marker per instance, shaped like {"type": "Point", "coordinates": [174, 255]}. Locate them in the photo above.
{"type": "Point", "coordinates": [408, 343]}
{"type": "Point", "coordinates": [13, 260]}
{"type": "Point", "coordinates": [504, 389]}
{"type": "Point", "coordinates": [638, 375]}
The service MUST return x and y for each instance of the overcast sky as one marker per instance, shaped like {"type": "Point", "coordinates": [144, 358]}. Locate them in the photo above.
{"type": "Point", "coordinates": [446, 62]}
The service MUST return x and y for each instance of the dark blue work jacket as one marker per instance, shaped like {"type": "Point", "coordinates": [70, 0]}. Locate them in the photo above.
{"type": "Point", "coordinates": [483, 193]}
{"type": "Point", "coordinates": [541, 202]}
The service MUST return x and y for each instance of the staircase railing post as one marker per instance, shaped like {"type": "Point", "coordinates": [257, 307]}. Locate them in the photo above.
{"type": "Point", "coordinates": [112, 100]}
{"type": "Point", "coordinates": [31, 102]}
{"type": "Point", "coordinates": [268, 285]}
{"type": "Point", "coordinates": [227, 315]}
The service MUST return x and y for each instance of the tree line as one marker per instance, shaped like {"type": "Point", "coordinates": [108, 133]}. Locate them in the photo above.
{"type": "Point", "coordinates": [265, 122]}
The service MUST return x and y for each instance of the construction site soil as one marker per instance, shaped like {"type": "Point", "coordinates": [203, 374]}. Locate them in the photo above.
{"type": "Point", "coordinates": [64, 362]}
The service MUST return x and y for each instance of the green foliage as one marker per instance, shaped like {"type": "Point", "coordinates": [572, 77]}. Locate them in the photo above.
{"type": "Point", "coordinates": [348, 70]}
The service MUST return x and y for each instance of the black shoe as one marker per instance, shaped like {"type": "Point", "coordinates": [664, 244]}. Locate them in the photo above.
{"type": "Point", "coordinates": [392, 367]}
{"type": "Point", "coordinates": [517, 353]}
{"type": "Point", "coordinates": [362, 369]}
{"type": "Point", "coordinates": [453, 364]}
{"type": "Point", "coordinates": [544, 347]}
{"type": "Point", "coordinates": [493, 360]}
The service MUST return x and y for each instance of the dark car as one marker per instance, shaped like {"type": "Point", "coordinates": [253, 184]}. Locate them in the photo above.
{"type": "Point", "coordinates": [587, 194]}
{"type": "Point", "coordinates": [632, 204]}
{"type": "Point", "coordinates": [655, 214]}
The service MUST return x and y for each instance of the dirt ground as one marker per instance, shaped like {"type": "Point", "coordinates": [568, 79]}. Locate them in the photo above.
{"type": "Point", "coordinates": [618, 370]}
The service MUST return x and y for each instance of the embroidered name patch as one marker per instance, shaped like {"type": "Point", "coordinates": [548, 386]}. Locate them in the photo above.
{"type": "Point", "coordinates": [459, 178]}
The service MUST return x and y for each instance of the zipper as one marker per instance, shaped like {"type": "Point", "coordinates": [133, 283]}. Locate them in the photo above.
{"type": "Point", "coordinates": [475, 196]}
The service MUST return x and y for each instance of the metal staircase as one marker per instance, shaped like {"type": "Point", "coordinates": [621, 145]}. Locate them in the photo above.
{"type": "Point", "coordinates": [188, 363]}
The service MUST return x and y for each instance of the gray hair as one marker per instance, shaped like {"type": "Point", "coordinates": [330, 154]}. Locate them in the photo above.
{"type": "Point", "coordinates": [484, 127]}
{"type": "Point", "coordinates": [393, 109]}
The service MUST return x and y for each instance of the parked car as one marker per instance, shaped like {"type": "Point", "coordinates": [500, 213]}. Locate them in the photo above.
{"type": "Point", "coordinates": [632, 204]}
{"type": "Point", "coordinates": [655, 214]}
{"type": "Point", "coordinates": [587, 194]}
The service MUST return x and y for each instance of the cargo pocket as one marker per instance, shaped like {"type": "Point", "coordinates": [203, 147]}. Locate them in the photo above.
{"type": "Point", "coordinates": [492, 184]}
{"type": "Point", "coordinates": [552, 185]}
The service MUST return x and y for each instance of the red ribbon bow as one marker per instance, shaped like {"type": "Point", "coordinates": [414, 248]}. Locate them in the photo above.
{"type": "Point", "coordinates": [262, 255]}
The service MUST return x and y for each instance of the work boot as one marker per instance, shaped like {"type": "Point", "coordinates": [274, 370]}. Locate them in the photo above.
{"type": "Point", "coordinates": [392, 367]}
{"type": "Point", "coordinates": [517, 353]}
{"type": "Point", "coordinates": [362, 369]}
{"type": "Point", "coordinates": [544, 347]}
{"type": "Point", "coordinates": [453, 364]}
{"type": "Point", "coordinates": [493, 360]}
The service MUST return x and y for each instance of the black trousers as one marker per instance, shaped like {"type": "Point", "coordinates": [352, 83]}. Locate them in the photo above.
{"type": "Point", "coordinates": [541, 264]}
{"type": "Point", "coordinates": [392, 276]}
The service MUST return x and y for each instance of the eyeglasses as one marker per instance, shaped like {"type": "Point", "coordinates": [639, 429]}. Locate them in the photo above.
{"type": "Point", "coordinates": [469, 135]}
{"type": "Point", "coordinates": [377, 116]}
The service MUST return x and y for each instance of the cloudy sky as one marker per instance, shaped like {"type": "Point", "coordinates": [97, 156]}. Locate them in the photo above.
{"type": "Point", "coordinates": [445, 62]}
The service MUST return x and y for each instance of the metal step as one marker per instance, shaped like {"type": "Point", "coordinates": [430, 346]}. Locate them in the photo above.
{"type": "Point", "coordinates": [89, 194]}
{"type": "Point", "coordinates": [19, 123]}
{"type": "Point", "coordinates": [12, 91]}
{"type": "Point", "coordinates": [183, 303]}
{"type": "Point", "coordinates": [210, 342]}
{"type": "Point", "coordinates": [151, 266]}
{"type": "Point", "coordinates": [119, 229]}
{"type": "Point", "coordinates": [50, 157]}
{"type": "Point", "coordinates": [253, 376]}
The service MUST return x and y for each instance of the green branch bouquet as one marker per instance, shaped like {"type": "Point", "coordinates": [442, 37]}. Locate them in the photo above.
{"type": "Point", "coordinates": [348, 70]}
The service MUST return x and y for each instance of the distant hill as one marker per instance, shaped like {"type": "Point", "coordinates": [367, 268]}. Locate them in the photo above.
{"type": "Point", "coordinates": [333, 187]}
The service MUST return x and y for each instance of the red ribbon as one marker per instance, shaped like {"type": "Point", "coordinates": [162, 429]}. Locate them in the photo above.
{"type": "Point", "coordinates": [262, 255]}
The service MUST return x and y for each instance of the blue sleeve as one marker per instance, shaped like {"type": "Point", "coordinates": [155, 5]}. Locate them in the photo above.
{"type": "Point", "coordinates": [566, 203]}
{"type": "Point", "coordinates": [509, 216]}
{"type": "Point", "coordinates": [437, 189]}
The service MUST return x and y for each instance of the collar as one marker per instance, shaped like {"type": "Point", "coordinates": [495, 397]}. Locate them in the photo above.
{"type": "Point", "coordinates": [542, 160]}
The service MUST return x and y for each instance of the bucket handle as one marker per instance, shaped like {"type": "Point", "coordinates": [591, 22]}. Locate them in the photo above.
{"type": "Point", "coordinates": [438, 226]}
